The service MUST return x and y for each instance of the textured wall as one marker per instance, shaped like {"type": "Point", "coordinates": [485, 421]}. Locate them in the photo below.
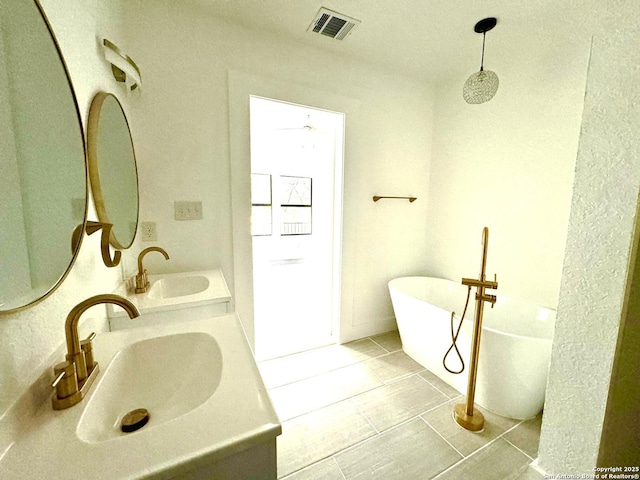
{"type": "Point", "coordinates": [594, 278]}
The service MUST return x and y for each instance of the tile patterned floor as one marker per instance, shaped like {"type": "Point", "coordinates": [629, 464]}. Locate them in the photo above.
{"type": "Point", "coordinates": [365, 410]}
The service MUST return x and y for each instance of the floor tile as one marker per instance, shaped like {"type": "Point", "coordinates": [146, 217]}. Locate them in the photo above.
{"type": "Point", "coordinates": [358, 411]}
{"type": "Point", "coordinates": [389, 341]}
{"type": "Point", "coordinates": [312, 393]}
{"type": "Point", "coordinates": [498, 461]}
{"type": "Point", "coordinates": [393, 366]}
{"type": "Point", "coordinates": [526, 436]}
{"type": "Point", "coordinates": [410, 451]}
{"type": "Point", "coordinates": [466, 442]}
{"type": "Point", "coordinates": [396, 402]}
{"type": "Point", "coordinates": [323, 470]}
{"type": "Point", "coordinates": [441, 385]}
{"type": "Point", "coordinates": [360, 350]}
{"type": "Point", "coordinates": [318, 435]}
{"type": "Point", "coordinates": [292, 368]}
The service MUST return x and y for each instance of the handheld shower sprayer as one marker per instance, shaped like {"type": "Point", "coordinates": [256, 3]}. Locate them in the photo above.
{"type": "Point", "coordinates": [454, 339]}
{"type": "Point", "coordinates": [484, 241]}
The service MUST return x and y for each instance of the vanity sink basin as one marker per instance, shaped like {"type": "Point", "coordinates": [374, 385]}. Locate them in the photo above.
{"type": "Point", "coordinates": [168, 376]}
{"type": "Point", "coordinates": [173, 297]}
{"type": "Point", "coordinates": [179, 286]}
{"type": "Point", "coordinates": [210, 415]}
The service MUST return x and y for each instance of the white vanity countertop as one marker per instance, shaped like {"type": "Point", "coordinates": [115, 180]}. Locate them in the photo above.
{"type": "Point", "coordinates": [217, 292]}
{"type": "Point", "coordinates": [239, 415]}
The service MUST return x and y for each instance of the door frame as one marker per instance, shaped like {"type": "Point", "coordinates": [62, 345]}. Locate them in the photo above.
{"type": "Point", "coordinates": [241, 86]}
{"type": "Point", "coordinates": [281, 160]}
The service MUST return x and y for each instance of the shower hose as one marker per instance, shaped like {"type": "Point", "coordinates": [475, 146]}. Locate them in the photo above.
{"type": "Point", "coordinates": [454, 338]}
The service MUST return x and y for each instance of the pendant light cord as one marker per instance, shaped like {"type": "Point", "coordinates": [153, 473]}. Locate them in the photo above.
{"type": "Point", "coordinates": [484, 35]}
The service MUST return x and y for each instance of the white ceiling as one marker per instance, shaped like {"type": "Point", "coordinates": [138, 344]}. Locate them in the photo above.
{"type": "Point", "coordinates": [428, 39]}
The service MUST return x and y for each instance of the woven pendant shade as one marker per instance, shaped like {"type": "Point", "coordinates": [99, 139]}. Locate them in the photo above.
{"type": "Point", "coordinates": [480, 87]}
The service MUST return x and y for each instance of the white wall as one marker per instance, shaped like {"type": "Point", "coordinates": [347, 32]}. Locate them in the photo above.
{"type": "Point", "coordinates": [28, 338]}
{"type": "Point", "coordinates": [508, 164]}
{"type": "Point", "coordinates": [598, 255]}
{"type": "Point", "coordinates": [183, 149]}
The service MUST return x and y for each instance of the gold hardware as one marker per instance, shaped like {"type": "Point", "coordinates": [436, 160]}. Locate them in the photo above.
{"type": "Point", "coordinates": [472, 282]}
{"type": "Point", "coordinates": [60, 403]}
{"type": "Point", "coordinates": [142, 282]}
{"type": "Point", "coordinates": [473, 422]}
{"type": "Point", "coordinates": [134, 420]}
{"type": "Point", "coordinates": [104, 242]}
{"type": "Point", "coordinates": [411, 199]}
{"type": "Point", "coordinates": [60, 376]}
{"type": "Point", "coordinates": [87, 347]}
{"type": "Point", "coordinates": [91, 228]}
{"type": "Point", "coordinates": [75, 376]}
{"type": "Point", "coordinates": [76, 236]}
{"type": "Point", "coordinates": [66, 382]}
{"type": "Point", "coordinates": [464, 414]}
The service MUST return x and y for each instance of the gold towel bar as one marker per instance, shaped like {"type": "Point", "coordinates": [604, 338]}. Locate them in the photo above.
{"type": "Point", "coordinates": [411, 199]}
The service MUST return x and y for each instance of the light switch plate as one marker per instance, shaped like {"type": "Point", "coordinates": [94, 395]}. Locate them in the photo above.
{"type": "Point", "coordinates": [185, 210]}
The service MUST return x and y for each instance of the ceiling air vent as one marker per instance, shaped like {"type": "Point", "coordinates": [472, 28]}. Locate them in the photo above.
{"type": "Point", "coordinates": [332, 24]}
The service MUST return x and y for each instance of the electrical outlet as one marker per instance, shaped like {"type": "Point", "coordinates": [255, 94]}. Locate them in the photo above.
{"type": "Point", "coordinates": [148, 231]}
{"type": "Point", "coordinates": [188, 210]}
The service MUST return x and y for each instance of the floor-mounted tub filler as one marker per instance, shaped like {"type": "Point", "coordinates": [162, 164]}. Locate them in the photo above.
{"type": "Point", "coordinates": [464, 413]}
{"type": "Point", "coordinates": [515, 344]}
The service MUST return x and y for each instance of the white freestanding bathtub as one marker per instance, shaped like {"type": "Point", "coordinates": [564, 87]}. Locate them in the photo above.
{"type": "Point", "coordinates": [515, 346]}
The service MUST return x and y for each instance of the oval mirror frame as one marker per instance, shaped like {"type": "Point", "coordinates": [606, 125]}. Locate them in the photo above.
{"type": "Point", "coordinates": [112, 169]}
{"type": "Point", "coordinates": [49, 188]}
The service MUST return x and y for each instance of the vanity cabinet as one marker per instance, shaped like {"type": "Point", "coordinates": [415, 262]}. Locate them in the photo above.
{"type": "Point", "coordinates": [256, 463]}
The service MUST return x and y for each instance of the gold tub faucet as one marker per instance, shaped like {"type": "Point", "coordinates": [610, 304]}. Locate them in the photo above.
{"type": "Point", "coordinates": [142, 282]}
{"type": "Point", "coordinates": [464, 413]}
{"type": "Point", "coordinates": [74, 376]}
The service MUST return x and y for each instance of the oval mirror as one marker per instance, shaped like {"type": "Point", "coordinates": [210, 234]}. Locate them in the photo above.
{"type": "Point", "coordinates": [112, 169]}
{"type": "Point", "coordinates": [43, 176]}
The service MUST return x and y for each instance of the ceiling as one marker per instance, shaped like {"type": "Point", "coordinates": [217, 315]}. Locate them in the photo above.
{"type": "Point", "coordinates": [430, 40]}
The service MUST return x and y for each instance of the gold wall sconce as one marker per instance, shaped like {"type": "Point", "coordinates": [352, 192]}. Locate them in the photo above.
{"type": "Point", "coordinates": [91, 228]}
{"type": "Point", "coordinates": [123, 67]}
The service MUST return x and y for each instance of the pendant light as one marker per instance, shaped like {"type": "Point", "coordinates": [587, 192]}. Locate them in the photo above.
{"type": "Point", "coordinates": [481, 86]}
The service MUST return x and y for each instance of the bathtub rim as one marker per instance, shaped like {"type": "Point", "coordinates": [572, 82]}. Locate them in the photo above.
{"type": "Point", "coordinates": [471, 320]}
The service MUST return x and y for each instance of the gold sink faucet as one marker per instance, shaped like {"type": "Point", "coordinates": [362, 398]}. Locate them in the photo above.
{"type": "Point", "coordinates": [142, 282]}
{"type": "Point", "coordinates": [75, 376]}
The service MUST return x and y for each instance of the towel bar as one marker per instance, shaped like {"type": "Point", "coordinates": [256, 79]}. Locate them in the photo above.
{"type": "Point", "coordinates": [411, 199]}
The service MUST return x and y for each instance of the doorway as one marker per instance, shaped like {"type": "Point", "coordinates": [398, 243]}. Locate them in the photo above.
{"type": "Point", "coordinates": [296, 205]}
